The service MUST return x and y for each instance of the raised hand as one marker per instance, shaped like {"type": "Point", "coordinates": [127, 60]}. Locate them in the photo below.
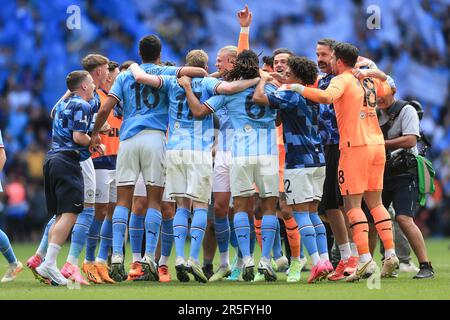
{"type": "Point", "coordinates": [244, 17]}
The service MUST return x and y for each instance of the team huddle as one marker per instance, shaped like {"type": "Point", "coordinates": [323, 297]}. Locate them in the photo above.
{"type": "Point", "coordinates": [144, 151]}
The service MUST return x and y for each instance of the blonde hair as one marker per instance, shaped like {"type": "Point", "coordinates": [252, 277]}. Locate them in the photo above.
{"type": "Point", "coordinates": [197, 58]}
{"type": "Point", "coordinates": [232, 51]}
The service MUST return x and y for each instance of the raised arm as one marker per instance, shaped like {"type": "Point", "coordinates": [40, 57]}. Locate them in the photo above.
{"type": "Point", "coordinates": [143, 77]}
{"type": "Point", "coordinates": [197, 108]}
{"type": "Point", "coordinates": [236, 86]}
{"type": "Point", "coordinates": [245, 19]}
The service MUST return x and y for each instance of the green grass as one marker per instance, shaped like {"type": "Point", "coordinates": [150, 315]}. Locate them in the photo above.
{"type": "Point", "coordinates": [26, 287]}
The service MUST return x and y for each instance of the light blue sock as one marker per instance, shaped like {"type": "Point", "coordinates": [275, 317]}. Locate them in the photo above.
{"type": "Point", "coordinates": [119, 227]}
{"type": "Point", "coordinates": [80, 231]}
{"type": "Point", "coordinates": [166, 237]}
{"type": "Point", "coordinates": [152, 228]}
{"type": "Point", "coordinates": [42, 249]}
{"type": "Point", "coordinates": [92, 239]}
{"type": "Point", "coordinates": [198, 227]}
{"type": "Point", "coordinates": [252, 236]}
{"type": "Point", "coordinates": [268, 231]}
{"type": "Point", "coordinates": [105, 239]}
{"type": "Point", "coordinates": [180, 228]}
{"type": "Point", "coordinates": [307, 231]}
{"type": "Point", "coordinates": [136, 230]}
{"type": "Point", "coordinates": [242, 229]}
{"type": "Point", "coordinates": [277, 250]}
{"type": "Point", "coordinates": [302, 252]}
{"type": "Point", "coordinates": [321, 232]}
{"type": "Point", "coordinates": [6, 249]}
{"type": "Point", "coordinates": [222, 228]}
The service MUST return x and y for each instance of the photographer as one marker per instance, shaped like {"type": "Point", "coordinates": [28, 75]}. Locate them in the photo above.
{"type": "Point", "coordinates": [400, 125]}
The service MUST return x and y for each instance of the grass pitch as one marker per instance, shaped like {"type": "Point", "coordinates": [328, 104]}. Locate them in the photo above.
{"type": "Point", "coordinates": [26, 287]}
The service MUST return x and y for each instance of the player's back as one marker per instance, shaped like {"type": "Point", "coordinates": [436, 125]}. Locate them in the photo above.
{"type": "Point", "coordinates": [185, 131]}
{"type": "Point", "coordinates": [253, 125]}
{"type": "Point", "coordinates": [355, 111]}
{"type": "Point", "coordinates": [144, 107]}
{"type": "Point", "coordinates": [71, 114]}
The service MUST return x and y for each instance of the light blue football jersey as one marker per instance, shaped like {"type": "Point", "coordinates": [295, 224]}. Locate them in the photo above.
{"type": "Point", "coordinates": [253, 125]}
{"type": "Point", "coordinates": [186, 132]}
{"type": "Point", "coordinates": [144, 107]}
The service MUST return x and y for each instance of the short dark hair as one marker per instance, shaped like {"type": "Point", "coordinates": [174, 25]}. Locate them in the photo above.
{"type": "Point", "coordinates": [92, 61]}
{"type": "Point", "coordinates": [112, 65]}
{"type": "Point", "coordinates": [282, 50]}
{"type": "Point", "coordinates": [347, 52]}
{"type": "Point", "coordinates": [327, 42]}
{"type": "Point", "coordinates": [268, 60]}
{"type": "Point", "coordinates": [75, 78]}
{"type": "Point", "coordinates": [303, 69]}
{"type": "Point", "coordinates": [150, 48]}
{"type": "Point", "coordinates": [126, 65]}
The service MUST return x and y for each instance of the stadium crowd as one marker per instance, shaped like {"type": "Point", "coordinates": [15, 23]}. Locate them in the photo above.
{"type": "Point", "coordinates": [36, 51]}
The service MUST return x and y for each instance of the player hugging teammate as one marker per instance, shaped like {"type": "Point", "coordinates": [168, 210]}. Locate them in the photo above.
{"type": "Point", "coordinates": [165, 137]}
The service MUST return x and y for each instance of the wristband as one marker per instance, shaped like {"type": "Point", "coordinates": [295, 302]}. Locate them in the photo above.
{"type": "Point", "coordinates": [245, 30]}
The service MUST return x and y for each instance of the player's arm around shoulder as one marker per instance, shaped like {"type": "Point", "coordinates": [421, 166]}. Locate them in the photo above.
{"type": "Point", "coordinates": [2, 153]}
{"type": "Point", "coordinates": [198, 109]}
{"type": "Point", "coordinates": [236, 86]}
{"type": "Point", "coordinates": [259, 96]}
{"type": "Point", "coordinates": [143, 77]}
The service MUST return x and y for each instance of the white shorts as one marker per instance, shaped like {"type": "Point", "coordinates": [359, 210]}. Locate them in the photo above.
{"type": "Point", "coordinates": [87, 168]}
{"type": "Point", "coordinates": [106, 191]}
{"type": "Point", "coordinates": [259, 170]}
{"type": "Point", "coordinates": [221, 175]}
{"type": "Point", "coordinates": [303, 185]}
{"type": "Point", "coordinates": [140, 190]}
{"type": "Point", "coordinates": [189, 174]}
{"type": "Point", "coordinates": [146, 153]}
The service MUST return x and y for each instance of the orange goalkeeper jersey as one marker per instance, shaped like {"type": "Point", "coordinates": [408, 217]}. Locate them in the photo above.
{"type": "Point", "coordinates": [110, 140]}
{"type": "Point", "coordinates": [354, 102]}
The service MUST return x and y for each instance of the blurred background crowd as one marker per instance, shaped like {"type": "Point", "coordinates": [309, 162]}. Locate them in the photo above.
{"type": "Point", "coordinates": [37, 50]}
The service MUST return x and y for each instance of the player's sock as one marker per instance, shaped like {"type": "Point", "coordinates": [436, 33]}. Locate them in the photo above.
{"type": "Point", "coordinates": [180, 226]}
{"type": "Point", "coordinates": [293, 236]}
{"type": "Point", "coordinates": [6, 249]}
{"type": "Point", "coordinates": [136, 230]}
{"type": "Point", "coordinates": [383, 223]}
{"type": "Point", "coordinates": [233, 237]}
{"type": "Point", "coordinates": [321, 236]}
{"type": "Point", "coordinates": [152, 228]}
{"type": "Point", "coordinates": [222, 228]}
{"type": "Point", "coordinates": [52, 254]}
{"type": "Point", "coordinates": [268, 230]}
{"type": "Point", "coordinates": [42, 249]}
{"type": "Point", "coordinates": [277, 250]}
{"type": "Point", "coordinates": [105, 241]}
{"type": "Point", "coordinates": [302, 251]}
{"type": "Point", "coordinates": [166, 238]}
{"type": "Point", "coordinates": [119, 227]}
{"type": "Point", "coordinates": [92, 240]}
{"type": "Point", "coordinates": [252, 236]}
{"type": "Point", "coordinates": [242, 229]}
{"type": "Point", "coordinates": [345, 251]}
{"type": "Point", "coordinates": [79, 234]}
{"type": "Point", "coordinates": [360, 229]}
{"type": "Point", "coordinates": [198, 227]}
{"type": "Point", "coordinates": [257, 223]}
{"type": "Point", "coordinates": [308, 234]}
{"type": "Point", "coordinates": [354, 249]}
